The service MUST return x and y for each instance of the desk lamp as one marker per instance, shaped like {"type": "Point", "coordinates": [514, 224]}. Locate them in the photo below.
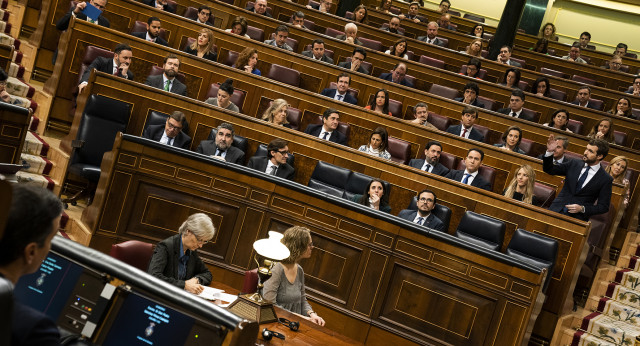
{"type": "Point", "coordinates": [253, 306]}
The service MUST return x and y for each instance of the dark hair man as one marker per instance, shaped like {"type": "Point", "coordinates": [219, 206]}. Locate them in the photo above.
{"type": "Point", "coordinates": [582, 98]}
{"type": "Point", "coordinates": [222, 146]}
{"type": "Point", "coordinates": [171, 132]}
{"type": "Point", "coordinates": [328, 130]}
{"type": "Point", "coordinates": [562, 143]}
{"type": "Point", "coordinates": [574, 54]}
{"type": "Point", "coordinates": [280, 40]}
{"type": "Point", "coordinates": [431, 163]}
{"type": "Point", "coordinates": [470, 95]}
{"type": "Point", "coordinates": [317, 52]}
{"type": "Point", "coordinates": [585, 38]}
{"type": "Point", "coordinates": [516, 105]}
{"type": "Point", "coordinates": [505, 57]}
{"type": "Point", "coordinates": [167, 80]}
{"type": "Point", "coordinates": [357, 58]}
{"type": "Point", "coordinates": [470, 176]}
{"type": "Point", "coordinates": [423, 216]}
{"type": "Point", "coordinates": [153, 32]}
{"type": "Point", "coordinates": [204, 14]}
{"type": "Point", "coordinates": [118, 66]}
{"type": "Point", "coordinates": [275, 163]}
{"type": "Point", "coordinates": [341, 93]}
{"type": "Point", "coordinates": [465, 129]}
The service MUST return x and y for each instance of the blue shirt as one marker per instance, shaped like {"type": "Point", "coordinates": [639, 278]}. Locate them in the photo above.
{"type": "Point", "coordinates": [182, 266]}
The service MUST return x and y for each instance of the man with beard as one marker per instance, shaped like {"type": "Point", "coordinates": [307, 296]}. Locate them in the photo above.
{"type": "Point", "coordinates": [392, 26]}
{"type": "Point", "coordinates": [167, 80]}
{"type": "Point", "coordinates": [118, 66]}
{"type": "Point", "coordinates": [153, 32]}
{"type": "Point", "coordinates": [587, 187]}
{"type": "Point", "coordinates": [221, 147]}
{"type": "Point", "coordinates": [423, 216]}
{"type": "Point", "coordinates": [169, 133]}
{"type": "Point", "coordinates": [430, 164]}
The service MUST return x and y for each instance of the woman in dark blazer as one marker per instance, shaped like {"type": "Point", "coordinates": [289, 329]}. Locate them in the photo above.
{"type": "Point", "coordinates": [203, 47]}
{"type": "Point", "coordinates": [175, 259]}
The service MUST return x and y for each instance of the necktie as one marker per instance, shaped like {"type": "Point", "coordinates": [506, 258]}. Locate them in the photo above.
{"type": "Point", "coordinates": [555, 162]}
{"type": "Point", "coordinates": [513, 114]}
{"type": "Point", "coordinates": [167, 85]}
{"type": "Point", "coordinates": [420, 220]}
{"type": "Point", "coordinates": [339, 97]}
{"type": "Point", "coordinates": [464, 132]}
{"type": "Point", "coordinates": [427, 168]}
{"type": "Point", "coordinates": [170, 141]}
{"type": "Point", "coordinates": [219, 152]}
{"type": "Point", "coordinates": [325, 136]}
{"type": "Point", "coordinates": [466, 178]}
{"type": "Point", "coordinates": [273, 170]}
{"type": "Point", "coordinates": [582, 178]}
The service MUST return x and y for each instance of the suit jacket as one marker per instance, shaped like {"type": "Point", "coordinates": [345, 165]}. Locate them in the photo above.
{"type": "Point", "coordinates": [208, 147]}
{"type": "Point", "coordinates": [432, 221]}
{"type": "Point", "coordinates": [589, 105]}
{"type": "Point", "coordinates": [260, 163]}
{"type": "Point", "coordinates": [103, 64]}
{"type": "Point", "coordinates": [478, 181]}
{"type": "Point", "coordinates": [348, 98]}
{"type": "Point", "coordinates": [154, 132]}
{"type": "Point", "coordinates": [566, 158]}
{"type": "Point", "coordinates": [252, 9]}
{"type": "Point", "coordinates": [336, 136]}
{"type": "Point", "coordinates": [475, 134]}
{"type": "Point", "coordinates": [513, 63]}
{"type": "Point", "coordinates": [439, 169]}
{"type": "Point", "coordinates": [523, 115]}
{"type": "Point", "coordinates": [597, 189]}
{"type": "Point", "coordinates": [63, 23]}
{"type": "Point", "coordinates": [347, 65]}
{"type": "Point", "coordinates": [389, 77]}
{"type": "Point", "coordinates": [32, 327]}
{"type": "Point", "coordinates": [324, 58]}
{"type": "Point", "coordinates": [475, 102]}
{"type": "Point", "coordinates": [356, 41]}
{"type": "Point", "coordinates": [208, 55]}
{"type": "Point", "coordinates": [437, 41]}
{"type": "Point", "coordinates": [389, 30]}
{"type": "Point", "coordinates": [143, 35]}
{"type": "Point", "coordinates": [176, 87]}
{"type": "Point", "coordinates": [165, 260]}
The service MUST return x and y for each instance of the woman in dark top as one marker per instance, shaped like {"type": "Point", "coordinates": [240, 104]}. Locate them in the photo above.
{"type": "Point", "coordinates": [511, 139]}
{"type": "Point", "coordinates": [541, 46]}
{"type": "Point", "coordinates": [603, 129]}
{"type": "Point", "coordinates": [477, 31]}
{"type": "Point", "coordinates": [223, 99]}
{"type": "Point", "coordinates": [622, 108]}
{"type": "Point", "coordinates": [541, 87]}
{"type": "Point", "coordinates": [521, 186]}
{"type": "Point", "coordinates": [175, 259]}
{"type": "Point", "coordinates": [559, 120]}
{"type": "Point", "coordinates": [374, 196]}
{"type": "Point", "coordinates": [248, 61]}
{"type": "Point", "coordinates": [511, 78]}
{"type": "Point", "coordinates": [203, 46]}
{"type": "Point", "coordinates": [360, 14]}
{"type": "Point", "coordinates": [473, 67]}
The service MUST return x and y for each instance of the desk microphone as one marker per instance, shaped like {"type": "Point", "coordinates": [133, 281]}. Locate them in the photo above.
{"type": "Point", "coordinates": [269, 334]}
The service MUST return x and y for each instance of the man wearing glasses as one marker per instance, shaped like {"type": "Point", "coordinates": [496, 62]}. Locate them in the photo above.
{"type": "Point", "coordinates": [175, 259]}
{"type": "Point", "coordinates": [170, 133]}
{"type": "Point", "coordinates": [63, 23]}
{"type": "Point", "coordinates": [204, 14]}
{"type": "Point", "coordinates": [423, 216]}
{"type": "Point", "coordinates": [275, 163]}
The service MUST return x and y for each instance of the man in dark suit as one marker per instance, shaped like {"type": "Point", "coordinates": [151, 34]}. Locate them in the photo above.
{"type": "Point", "coordinates": [317, 52]}
{"type": "Point", "coordinates": [32, 222]}
{"type": "Point", "coordinates": [516, 103]}
{"type": "Point", "coordinates": [167, 80]}
{"type": "Point", "coordinates": [170, 133]}
{"type": "Point", "coordinates": [275, 163]}
{"type": "Point", "coordinates": [397, 75]}
{"type": "Point", "coordinates": [63, 23]}
{"type": "Point", "coordinates": [392, 26]}
{"type": "Point", "coordinates": [357, 58]}
{"type": "Point", "coordinates": [222, 147]}
{"type": "Point", "coordinates": [465, 129]}
{"type": "Point", "coordinates": [587, 187]}
{"type": "Point", "coordinates": [350, 34]}
{"type": "Point", "coordinates": [505, 57]}
{"type": "Point", "coordinates": [562, 143]}
{"type": "Point", "coordinates": [412, 15]}
{"type": "Point", "coordinates": [260, 7]}
{"type": "Point", "coordinates": [471, 92]}
{"type": "Point", "coordinates": [423, 216]}
{"type": "Point", "coordinates": [470, 175]}
{"type": "Point", "coordinates": [329, 128]}
{"type": "Point", "coordinates": [445, 22]}
{"type": "Point", "coordinates": [153, 32]}
{"type": "Point", "coordinates": [432, 32]}
{"type": "Point", "coordinates": [118, 66]}
{"type": "Point", "coordinates": [297, 20]}
{"type": "Point", "coordinates": [430, 164]}
{"type": "Point", "coordinates": [582, 98]}
{"type": "Point", "coordinates": [160, 4]}
{"type": "Point", "coordinates": [341, 94]}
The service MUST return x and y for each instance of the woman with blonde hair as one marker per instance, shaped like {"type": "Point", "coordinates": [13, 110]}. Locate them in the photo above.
{"type": "Point", "coordinates": [277, 113]}
{"type": "Point", "coordinates": [617, 169]}
{"type": "Point", "coordinates": [286, 286]}
{"type": "Point", "coordinates": [475, 48]}
{"type": "Point", "coordinates": [521, 186]}
{"type": "Point", "coordinates": [203, 46]}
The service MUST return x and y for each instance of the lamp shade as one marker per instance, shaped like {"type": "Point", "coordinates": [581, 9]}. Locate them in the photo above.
{"type": "Point", "coordinates": [271, 247]}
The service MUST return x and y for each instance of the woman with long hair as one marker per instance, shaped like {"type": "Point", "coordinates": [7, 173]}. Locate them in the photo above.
{"type": "Point", "coordinates": [477, 31]}
{"type": "Point", "coordinates": [548, 31]}
{"type": "Point", "coordinates": [399, 49]}
{"type": "Point", "coordinates": [622, 107]}
{"type": "Point", "coordinates": [374, 196]}
{"type": "Point", "coordinates": [380, 103]}
{"type": "Point", "coordinates": [541, 87]}
{"type": "Point", "coordinates": [277, 113]}
{"type": "Point", "coordinates": [511, 78]}
{"type": "Point", "coordinates": [559, 120]}
{"type": "Point", "coordinates": [248, 60]}
{"type": "Point", "coordinates": [203, 46]}
{"type": "Point", "coordinates": [378, 144]}
{"type": "Point", "coordinates": [521, 186]}
{"type": "Point", "coordinates": [603, 129]}
{"type": "Point", "coordinates": [385, 6]}
{"type": "Point", "coordinates": [239, 27]}
{"type": "Point", "coordinates": [360, 14]}
{"type": "Point", "coordinates": [473, 67]}
{"type": "Point", "coordinates": [541, 46]}
{"type": "Point", "coordinates": [474, 48]}
{"type": "Point", "coordinates": [617, 169]}
{"type": "Point", "coordinates": [511, 139]}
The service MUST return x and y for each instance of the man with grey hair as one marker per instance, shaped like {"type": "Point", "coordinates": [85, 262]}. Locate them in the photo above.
{"type": "Point", "coordinates": [432, 32]}
{"type": "Point", "coordinates": [221, 147]}
{"type": "Point", "coordinates": [350, 33]}
{"type": "Point", "coordinates": [175, 260]}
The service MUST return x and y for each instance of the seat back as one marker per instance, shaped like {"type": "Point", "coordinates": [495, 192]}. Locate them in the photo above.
{"type": "Point", "coordinates": [262, 151]}
{"type": "Point", "coordinates": [544, 194]}
{"type": "Point", "coordinates": [473, 17]}
{"type": "Point", "coordinates": [134, 253]}
{"type": "Point", "coordinates": [192, 13]}
{"type": "Point", "coordinates": [239, 142]}
{"type": "Point", "coordinates": [6, 310]}
{"type": "Point", "coordinates": [575, 126]}
{"type": "Point", "coordinates": [583, 80]}
{"type": "Point", "coordinates": [481, 74]}
{"type": "Point", "coordinates": [444, 91]}
{"type": "Point", "coordinates": [481, 230]}
{"type": "Point", "coordinates": [620, 137]}
{"type": "Point", "coordinates": [484, 131]}
{"type": "Point", "coordinates": [255, 33]}
{"type": "Point", "coordinates": [449, 160]}
{"type": "Point", "coordinates": [523, 85]}
{"type": "Point", "coordinates": [157, 70]}
{"type": "Point", "coordinates": [351, 91]}
{"type": "Point", "coordinates": [237, 97]}
{"type": "Point", "coordinates": [536, 250]}
{"type": "Point", "coordinates": [635, 113]}
{"type": "Point", "coordinates": [292, 42]}
{"type": "Point", "coordinates": [521, 61]}
{"type": "Point", "coordinates": [557, 94]}
{"type": "Point", "coordinates": [441, 122]}
{"type": "Point", "coordinates": [90, 54]}
{"type": "Point", "coordinates": [250, 284]}
{"type": "Point", "coordinates": [432, 62]}
{"type": "Point", "coordinates": [294, 118]}
{"type": "Point", "coordinates": [551, 72]}
{"type": "Point", "coordinates": [366, 65]}
{"type": "Point", "coordinates": [395, 107]}
{"type": "Point", "coordinates": [400, 150]}
{"type": "Point", "coordinates": [532, 114]}
{"type": "Point", "coordinates": [232, 57]}
{"type": "Point", "coordinates": [598, 104]}
{"type": "Point", "coordinates": [329, 178]}
{"type": "Point", "coordinates": [333, 32]}
{"type": "Point", "coordinates": [284, 74]}
{"type": "Point", "coordinates": [489, 104]}
{"type": "Point", "coordinates": [372, 44]}
{"type": "Point", "coordinates": [526, 145]}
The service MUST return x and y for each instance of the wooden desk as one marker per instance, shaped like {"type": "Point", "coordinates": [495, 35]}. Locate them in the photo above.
{"type": "Point", "coordinates": [14, 124]}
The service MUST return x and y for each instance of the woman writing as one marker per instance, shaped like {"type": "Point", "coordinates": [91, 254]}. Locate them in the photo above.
{"type": "Point", "coordinates": [374, 196]}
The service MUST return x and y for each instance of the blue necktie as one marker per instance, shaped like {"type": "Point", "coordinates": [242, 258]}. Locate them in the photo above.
{"type": "Point", "coordinates": [420, 220]}
{"type": "Point", "coordinates": [466, 178]}
{"type": "Point", "coordinates": [427, 168]}
{"type": "Point", "coordinates": [582, 178]}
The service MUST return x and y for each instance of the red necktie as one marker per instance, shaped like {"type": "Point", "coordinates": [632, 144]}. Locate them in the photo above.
{"type": "Point", "coordinates": [464, 132]}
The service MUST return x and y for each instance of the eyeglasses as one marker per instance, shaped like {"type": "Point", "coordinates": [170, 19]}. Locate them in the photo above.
{"type": "Point", "coordinates": [173, 127]}
{"type": "Point", "coordinates": [284, 152]}
{"type": "Point", "coordinates": [425, 200]}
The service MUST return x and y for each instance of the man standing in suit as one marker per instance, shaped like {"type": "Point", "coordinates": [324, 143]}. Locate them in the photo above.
{"type": "Point", "coordinates": [167, 80]}
{"type": "Point", "coordinates": [431, 163]}
{"type": "Point", "coordinates": [432, 32]}
{"type": "Point", "coordinates": [355, 64]}
{"type": "Point", "coordinates": [32, 222]}
{"type": "Point", "coordinates": [260, 7]}
{"type": "Point", "coordinates": [170, 133]}
{"type": "Point", "coordinates": [63, 23]}
{"type": "Point", "coordinates": [341, 94]}
{"type": "Point", "coordinates": [465, 129]}
{"type": "Point", "coordinates": [585, 181]}
{"type": "Point", "coordinates": [562, 143]}
{"type": "Point", "coordinates": [282, 33]}
{"type": "Point", "coordinates": [118, 66]}
{"type": "Point", "coordinates": [153, 32]}
{"type": "Point", "coordinates": [516, 103]}
{"type": "Point", "coordinates": [317, 52]}
{"type": "Point", "coordinates": [426, 202]}
{"type": "Point", "coordinates": [275, 163]}
{"type": "Point", "coordinates": [505, 57]}
{"type": "Point", "coordinates": [350, 34]}
{"type": "Point", "coordinates": [582, 98]}
{"type": "Point", "coordinates": [221, 147]}
{"type": "Point", "coordinates": [329, 128]}
{"type": "Point", "coordinates": [397, 75]}
{"type": "Point", "coordinates": [470, 176]}
{"type": "Point", "coordinates": [471, 92]}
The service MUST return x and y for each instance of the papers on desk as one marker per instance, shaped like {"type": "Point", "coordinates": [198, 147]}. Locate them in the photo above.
{"type": "Point", "coordinates": [210, 293]}
{"type": "Point", "coordinates": [227, 299]}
